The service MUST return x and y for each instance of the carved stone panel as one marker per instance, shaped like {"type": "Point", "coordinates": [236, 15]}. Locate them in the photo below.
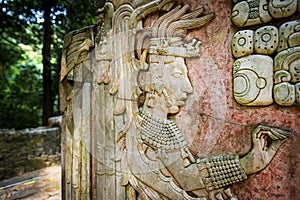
{"type": "Point", "coordinates": [266, 40]}
{"type": "Point", "coordinates": [287, 72]}
{"type": "Point", "coordinates": [289, 35]}
{"type": "Point", "coordinates": [156, 106]}
{"type": "Point", "coordinates": [242, 43]}
{"type": "Point", "coordinates": [282, 45]}
{"type": "Point", "coordinates": [254, 12]}
{"type": "Point", "coordinates": [253, 80]}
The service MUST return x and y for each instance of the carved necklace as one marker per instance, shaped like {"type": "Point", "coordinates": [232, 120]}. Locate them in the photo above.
{"type": "Point", "coordinates": [159, 133]}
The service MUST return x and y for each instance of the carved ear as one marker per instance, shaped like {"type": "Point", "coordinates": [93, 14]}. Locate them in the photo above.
{"type": "Point", "coordinates": [144, 59]}
{"type": "Point", "coordinates": [141, 63]}
{"type": "Point", "coordinates": [145, 81]}
{"type": "Point", "coordinates": [153, 68]}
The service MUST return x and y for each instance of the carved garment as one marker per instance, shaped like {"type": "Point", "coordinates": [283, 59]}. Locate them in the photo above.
{"type": "Point", "coordinates": [161, 172]}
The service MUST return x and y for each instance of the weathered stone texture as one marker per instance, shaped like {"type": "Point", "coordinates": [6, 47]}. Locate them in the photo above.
{"type": "Point", "coordinates": [27, 150]}
{"type": "Point", "coordinates": [211, 120]}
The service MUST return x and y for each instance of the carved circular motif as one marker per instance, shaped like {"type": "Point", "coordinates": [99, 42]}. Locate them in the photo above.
{"type": "Point", "coordinates": [243, 81]}
{"type": "Point", "coordinates": [261, 83]}
{"type": "Point", "coordinates": [266, 37]}
{"type": "Point", "coordinates": [242, 41]}
{"type": "Point", "coordinates": [241, 84]}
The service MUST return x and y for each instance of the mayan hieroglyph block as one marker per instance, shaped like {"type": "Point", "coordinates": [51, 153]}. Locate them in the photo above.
{"type": "Point", "coordinates": [253, 80]}
{"type": "Point", "coordinates": [242, 43]}
{"type": "Point", "coordinates": [289, 35]}
{"type": "Point", "coordinates": [248, 13]}
{"type": "Point", "coordinates": [287, 76]}
{"type": "Point", "coordinates": [280, 9]}
{"type": "Point", "coordinates": [266, 40]}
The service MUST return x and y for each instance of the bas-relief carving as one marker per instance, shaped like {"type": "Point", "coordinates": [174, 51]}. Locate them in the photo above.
{"type": "Point", "coordinates": [137, 78]}
{"type": "Point", "coordinates": [280, 9]}
{"type": "Point", "coordinates": [253, 73]}
{"type": "Point", "coordinates": [261, 41]}
{"type": "Point", "coordinates": [253, 80]}
{"type": "Point", "coordinates": [286, 76]}
{"type": "Point", "coordinates": [267, 40]}
{"type": "Point", "coordinates": [254, 12]}
{"type": "Point", "coordinates": [242, 43]}
{"type": "Point", "coordinates": [247, 13]}
{"type": "Point", "coordinates": [289, 35]}
{"type": "Point", "coordinates": [158, 156]}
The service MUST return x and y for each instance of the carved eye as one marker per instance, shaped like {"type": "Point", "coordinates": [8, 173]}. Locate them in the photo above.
{"type": "Point", "coordinates": [177, 74]}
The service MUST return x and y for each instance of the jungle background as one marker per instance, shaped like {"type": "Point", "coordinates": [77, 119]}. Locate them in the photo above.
{"type": "Point", "coordinates": [32, 33]}
{"type": "Point", "coordinates": [31, 40]}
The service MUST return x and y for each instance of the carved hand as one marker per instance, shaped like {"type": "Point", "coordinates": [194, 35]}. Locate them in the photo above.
{"type": "Point", "coordinates": [266, 142]}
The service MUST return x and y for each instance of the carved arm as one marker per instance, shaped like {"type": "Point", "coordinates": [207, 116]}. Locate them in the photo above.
{"type": "Point", "coordinates": [266, 141]}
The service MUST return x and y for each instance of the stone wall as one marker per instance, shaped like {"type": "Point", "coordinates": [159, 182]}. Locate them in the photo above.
{"type": "Point", "coordinates": [27, 150]}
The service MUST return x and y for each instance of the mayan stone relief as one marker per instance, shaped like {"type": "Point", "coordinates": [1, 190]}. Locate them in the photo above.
{"type": "Point", "coordinates": [148, 108]}
{"type": "Point", "coordinates": [253, 12]}
{"type": "Point", "coordinates": [271, 53]}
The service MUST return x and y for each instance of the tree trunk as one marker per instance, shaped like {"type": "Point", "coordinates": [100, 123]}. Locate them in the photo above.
{"type": "Point", "coordinates": [47, 82]}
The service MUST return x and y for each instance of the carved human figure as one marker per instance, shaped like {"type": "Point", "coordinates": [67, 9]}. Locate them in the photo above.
{"type": "Point", "coordinates": [171, 86]}
{"type": "Point", "coordinates": [157, 153]}
{"type": "Point", "coordinates": [140, 92]}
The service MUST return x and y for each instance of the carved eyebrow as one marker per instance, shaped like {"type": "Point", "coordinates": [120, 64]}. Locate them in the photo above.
{"type": "Point", "coordinates": [181, 68]}
{"type": "Point", "coordinates": [177, 71]}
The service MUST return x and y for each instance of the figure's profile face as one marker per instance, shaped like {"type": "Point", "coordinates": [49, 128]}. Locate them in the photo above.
{"type": "Point", "coordinates": [178, 85]}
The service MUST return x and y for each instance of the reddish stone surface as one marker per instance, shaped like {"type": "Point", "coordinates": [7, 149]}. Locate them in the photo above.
{"type": "Point", "coordinates": [214, 123]}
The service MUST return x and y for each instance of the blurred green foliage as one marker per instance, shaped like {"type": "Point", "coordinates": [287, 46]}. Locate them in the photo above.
{"type": "Point", "coordinates": [21, 39]}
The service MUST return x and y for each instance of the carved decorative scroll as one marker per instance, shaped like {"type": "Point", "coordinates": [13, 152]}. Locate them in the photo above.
{"type": "Point", "coordinates": [287, 75]}
{"type": "Point", "coordinates": [289, 35]}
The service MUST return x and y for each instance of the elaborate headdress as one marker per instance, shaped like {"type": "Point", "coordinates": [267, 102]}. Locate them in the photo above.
{"type": "Point", "coordinates": [164, 41]}
{"type": "Point", "coordinates": [168, 35]}
{"type": "Point", "coordinates": [121, 52]}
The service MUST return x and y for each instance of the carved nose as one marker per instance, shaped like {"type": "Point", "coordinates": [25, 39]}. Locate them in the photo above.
{"type": "Point", "coordinates": [187, 87]}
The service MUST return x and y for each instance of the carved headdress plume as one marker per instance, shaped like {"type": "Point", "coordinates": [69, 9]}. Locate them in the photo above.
{"type": "Point", "coordinates": [168, 36]}
{"type": "Point", "coordinates": [127, 39]}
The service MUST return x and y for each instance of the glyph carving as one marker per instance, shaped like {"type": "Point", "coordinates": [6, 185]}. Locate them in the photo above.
{"type": "Point", "coordinates": [266, 40]}
{"type": "Point", "coordinates": [254, 12]}
{"type": "Point", "coordinates": [253, 80]}
{"type": "Point", "coordinates": [262, 41]}
{"type": "Point", "coordinates": [242, 43]}
{"type": "Point", "coordinates": [295, 70]}
{"type": "Point", "coordinates": [247, 13]}
{"type": "Point", "coordinates": [287, 72]}
{"type": "Point", "coordinates": [289, 35]}
{"type": "Point", "coordinates": [279, 9]}
{"type": "Point", "coordinates": [284, 94]}
{"type": "Point", "coordinates": [122, 141]}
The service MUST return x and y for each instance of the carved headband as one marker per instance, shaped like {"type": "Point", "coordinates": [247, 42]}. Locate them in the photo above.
{"type": "Point", "coordinates": [174, 46]}
{"type": "Point", "coordinates": [168, 34]}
